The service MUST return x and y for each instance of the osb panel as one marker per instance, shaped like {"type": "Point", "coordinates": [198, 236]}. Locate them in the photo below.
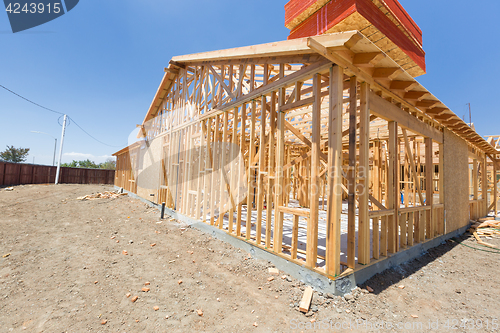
{"type": "Point", "coordinates": [357, 22]}
{"type": "Point", "coordinates": [456, 181]}
{"type": "Point", "coordinates": [149, 173]}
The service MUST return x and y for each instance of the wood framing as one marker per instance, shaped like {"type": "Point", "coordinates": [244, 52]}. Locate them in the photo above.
{"type": "Point", "coordinates": [270, 142]}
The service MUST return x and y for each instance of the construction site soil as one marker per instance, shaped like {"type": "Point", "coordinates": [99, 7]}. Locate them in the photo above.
{"type": "Point", "coordinates": [72, 265]}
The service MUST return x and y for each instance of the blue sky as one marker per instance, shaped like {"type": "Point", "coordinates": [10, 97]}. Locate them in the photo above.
{"type": "Point", "coordinates": [102, 62]}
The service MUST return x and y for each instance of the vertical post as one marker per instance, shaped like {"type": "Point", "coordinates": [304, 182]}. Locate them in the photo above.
{"type": "Point", "coordinates": [442, 227]}
{"type": "Point", "coordinates": [55, 148]}
{"type": "Point", "coordinates": [162, 210]}
{"type": "Point", "coordinates": [280, 159]}
{"type": "Point", "coordinates": [223, 174]}
{"type": "Point", "coordinates": [251, 152]}
{"type": "Point", "coordinates": [392, 188]}
{"type": "Point", "coordinates": [271, 165]}
{"type": "Point", "coordinates": [234, 168]}
{"type": "Point", "coordinates": [261, 170]}
{"type": "Point", "coordinates": [495, 194]}
{"type": "Point", "coordinates": [60, 149]}
{"type": "Point", "coordinates": [334, 171]}
{"type": "Point", "coordinates": [429, 191]}
{"type": "Point", "coordinates": [475, 180]}
{"type": "Point", "coordinates": [312, 226]}
{"type": "Point", "coordinates": [364, 175]}
{"type": "Point", "coordinates": [484, 187]}
{"type": "Point", "coordinates": [242, 148]}
{"type": "Point", "coordinates": [351, 174]}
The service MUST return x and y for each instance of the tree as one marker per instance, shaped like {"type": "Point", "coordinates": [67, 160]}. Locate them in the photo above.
{"type": "Point", "coordinates": [15, 155]}
{"type": "Point", "coordinates": [110, 164]}
{"type": "Point", "coordinates": [87, 164]}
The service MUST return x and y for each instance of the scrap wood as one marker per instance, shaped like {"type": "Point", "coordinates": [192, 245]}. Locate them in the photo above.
{"type": "Point", "coordinates": [104, 195]}
{"type": "Point", "coordinates": [305, 303]}
{"type": "Point", "coordinates": [479, 241]}
{"type": "Point", "coordinates": [485, 224]}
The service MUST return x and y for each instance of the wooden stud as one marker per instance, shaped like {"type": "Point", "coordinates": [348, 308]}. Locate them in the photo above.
{"type": "Point", "coordinates": [242, 147]}
{"type": "Point", "coordinates": [251, 172]}
{"type": "Point", "coordinates": [312, 227]}
{"type": "Point", "coordinates": [295, 236]}
{"type": "Point", "coordinates": [280, 158]}
{"type": "Point", "coordinates": [262, 167]}
{"type": "Point", "coordinates": [393, 188]}
{"type": "Point", "coordinates": [334, 174]}
{"type": "Point", "coordinates": [376, 238]}
{"type": "Point", "coordinates": [383, 236]}
{"type": "Point", "coordinates": [429, 190]}
{"type": "Point", "coordinates": [351, 175]}
{"type": "Point", "coordinates": [271, 169]}
{"type": "Point", "coordinates": [364, 175]}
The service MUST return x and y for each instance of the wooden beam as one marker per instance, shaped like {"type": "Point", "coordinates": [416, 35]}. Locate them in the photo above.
{"type": "Point", "coordinates": [391, 112]}
{"type": "Point", "coordinates": [301, 74]}
{"type": "Point", "coordinates": [389, 73]}
{"type": "Point", "coordinates": [364, 176]}
{"type": "Point", "coordinates": [334, 175]}
{"type": "Point", "coordinates": [312, 226]}
{"type": "Point", "coordinates": [368, 59]}
{"type": "Point", "coordinates": [280, 159]}
{"type": "Point", "coordinates": [222, 83]}
{"type": "Point", "coordinates": [351, 174]}
{"type": "Point", "coordinates": [262, 168]}
{"type": "Point", "coordinates": [392, 187]}
{"type": "Point", "coordinates": [403, 85]}
{"type": "Point", "coordinates": [429, 190]}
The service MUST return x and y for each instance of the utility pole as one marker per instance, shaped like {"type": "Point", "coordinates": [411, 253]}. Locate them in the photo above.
{"type": "Point", "coordinates": [60, 150]}
{"type": "Point", "coordinates": [55, 145]}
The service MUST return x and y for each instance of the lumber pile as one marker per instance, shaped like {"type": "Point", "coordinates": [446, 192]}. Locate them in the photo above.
{"type": "Point", "coordinates": [385, 23]}
{"type": "Point", "coordinates": [486, 227]}
{"type": "Point", "coordinates": [104, 195]}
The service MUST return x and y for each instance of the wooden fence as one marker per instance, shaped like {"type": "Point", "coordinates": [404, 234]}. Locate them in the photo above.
{"type": "Point", "coordinates": [20, 174]}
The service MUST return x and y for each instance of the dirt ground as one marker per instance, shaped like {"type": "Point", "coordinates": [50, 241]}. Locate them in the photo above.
{"type": "Point", "coordinates": [63, 269]}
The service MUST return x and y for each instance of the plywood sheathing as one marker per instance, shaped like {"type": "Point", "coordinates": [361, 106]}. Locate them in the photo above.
{"type": "Point", "coordinates": [456, 169]}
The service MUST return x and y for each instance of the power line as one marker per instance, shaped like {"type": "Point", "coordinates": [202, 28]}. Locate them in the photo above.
{"type": "Point", "coordinates": [43, 107]}
{"type": "Point", "coordinates": [91, 135]}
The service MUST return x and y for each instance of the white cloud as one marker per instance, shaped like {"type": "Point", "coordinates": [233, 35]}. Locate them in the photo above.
{"type": "Point", "coordinates": [82, 156]}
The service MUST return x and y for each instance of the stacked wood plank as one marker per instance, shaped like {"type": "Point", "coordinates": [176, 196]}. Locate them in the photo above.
{"type": "Point", "coordinates": [384, 22]}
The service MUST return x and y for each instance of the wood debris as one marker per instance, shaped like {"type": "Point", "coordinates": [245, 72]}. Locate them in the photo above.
{"type": "Point", "coordinates": [274, 271]}
{"type": "Point", "coordinates": [485, 227]}
{"type": "Point", "coordinates": [134, 299]}
{"type": "Point", "coordinates": [305, 303]}
{"type": "Point", "coordinates": [200, 313]}
{"type": "Point", "coordinates": [479, 241]}
{"type": "Point", "coordinates": [145, 289]}
{"type": "Point", "coordinates": [104, 195]}
{"type": "Point", "coordinates": [156, 308]}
